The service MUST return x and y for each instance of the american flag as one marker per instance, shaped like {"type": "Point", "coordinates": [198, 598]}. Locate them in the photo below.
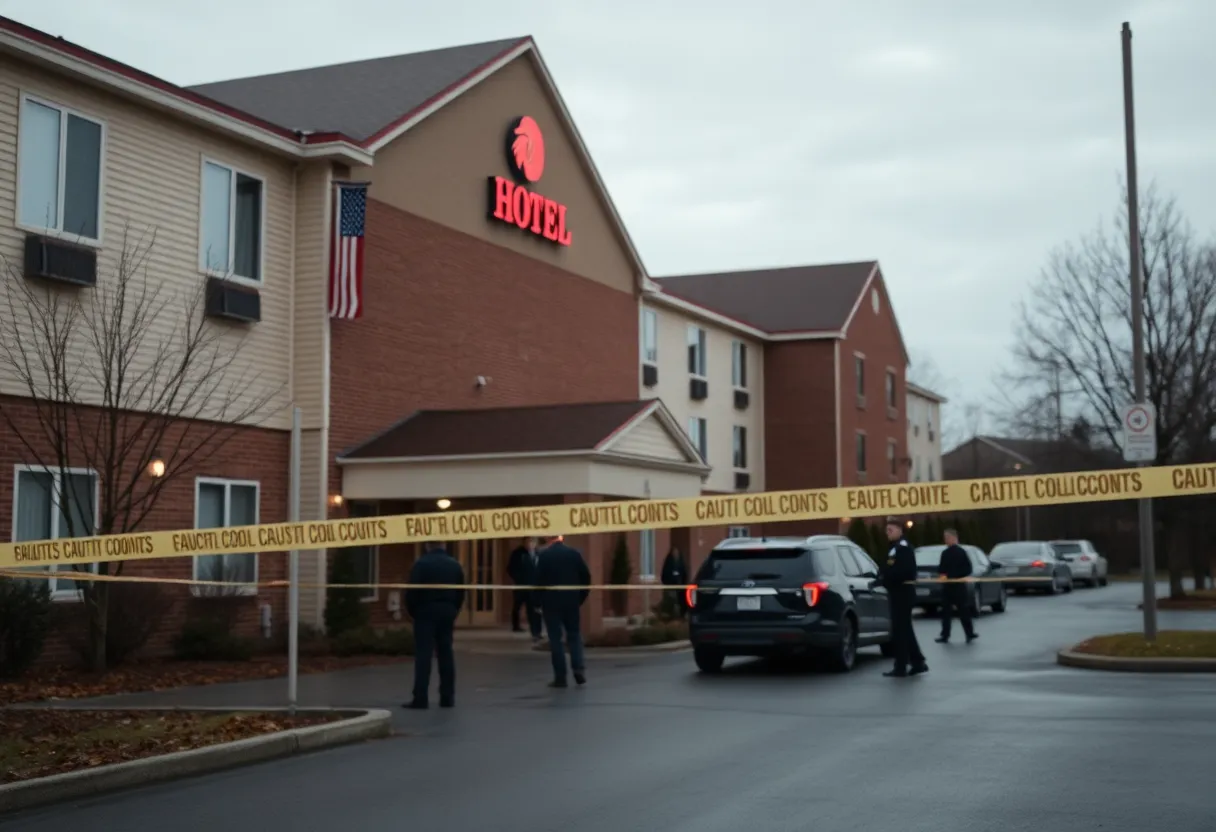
{"type": "Point", "coordinates": [346, 266]}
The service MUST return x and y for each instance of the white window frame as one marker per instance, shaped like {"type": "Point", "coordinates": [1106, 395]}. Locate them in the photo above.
{"type": "Point", "coordinates": [375, 549]}
{"type": "Point", "coordinates": [229, 274]}
{"type": "Point", "coordinates": [647, 554]}
{"type": "Point", "coordinates": [733, 532]}
{"type": "Point", "coordinates": [891, 389]}
{"type": "Point", "coordinates": [250, 589]}
{"type": "Point", "coordinates": [698, 428]}
{"type": "Point", "coordinates": [652, 316]}
{"type": "Point", "coordinates": [56, 501]}
{"type": "Point", "coordinates": [698, 337]}
{"type": "Point", "coordinates": [59, 232]}
{"type": "Point", "coordinates": [738, 437]}
{"type": "Point", "coordinates": [738, 364]}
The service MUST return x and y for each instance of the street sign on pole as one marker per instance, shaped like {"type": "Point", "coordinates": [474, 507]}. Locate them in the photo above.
{"type": "Point", "coordinates": [1139, 423]}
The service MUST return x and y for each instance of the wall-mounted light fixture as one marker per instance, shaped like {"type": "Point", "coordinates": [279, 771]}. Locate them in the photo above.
{"type": "Point", "coordinates": [336, 500]}
{"type": "Point", "coordinates": [444, 503]}
{"type": "Point", "coordinates": [909, 524]}
{"type": "Point", "coordinates": [156, 466]}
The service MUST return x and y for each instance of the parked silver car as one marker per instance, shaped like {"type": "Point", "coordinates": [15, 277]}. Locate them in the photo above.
{"type": "Point", "coordinates": [1083, 560]}
{"type": "Point", "coordinates": [1032, 564]}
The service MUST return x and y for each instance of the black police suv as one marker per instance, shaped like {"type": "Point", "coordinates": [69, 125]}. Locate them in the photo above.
{"type": "Point", "coordinates": [787, 596]}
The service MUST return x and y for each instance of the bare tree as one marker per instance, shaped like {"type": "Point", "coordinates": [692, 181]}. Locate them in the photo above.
{"type": "Point", "coordinates": [1072, 368]}
{"type": "Point", "coordinates": [117, 377]}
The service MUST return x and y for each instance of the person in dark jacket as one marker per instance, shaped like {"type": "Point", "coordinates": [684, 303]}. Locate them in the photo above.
{"type": "Point", "coordinates": [899, 578]}
{"type": "Point", "coordinates": [675, 573]}
{"type": "Point", "coordinates": [521, 568]}
{"type": "Point", "coordinates": [563, 566]}
{"type": "Point", "coordinates": [954, 566]}
{"type": "Point", "coordinates": [434, 612]}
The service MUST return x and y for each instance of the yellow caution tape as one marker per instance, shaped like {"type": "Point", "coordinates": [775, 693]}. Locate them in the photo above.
{"type": "Point", "coordinates": [628, 515]}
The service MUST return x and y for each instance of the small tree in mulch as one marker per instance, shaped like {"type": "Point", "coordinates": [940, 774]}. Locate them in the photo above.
{"type": "Point", "coordinates": [620, 573]}
{"type": "Point", "coordinates": [344, 608]}
{"type": "Point", "coordinates": [25, 620]}
{"type": "Point", "coordinates": [859, 533]}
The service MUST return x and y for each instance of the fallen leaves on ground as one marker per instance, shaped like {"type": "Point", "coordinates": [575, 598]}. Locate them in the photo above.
{"type": "Point", "coordinates": [1200, 599]}
{"type": "Point", "coordinates": [1183, 644]}
{"type": "Point", "coordinates": [41, 742]}
{"type": "Point", "coordinates": [42, 683]}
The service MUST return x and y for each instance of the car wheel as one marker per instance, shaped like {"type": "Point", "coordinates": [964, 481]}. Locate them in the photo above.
{"type": "Point", "coordinates": [1103, 581]}
{"type": "Point", "coordinates": [845, 654]}
{"type": "Point", "coordinates": [1068, 586]}
{"type": "Point", "coordinates": [999, 604]}
{"type": "Point", "coordinates": [1055, 586]}
{"type": "Point", "coordinates": [708, 661]}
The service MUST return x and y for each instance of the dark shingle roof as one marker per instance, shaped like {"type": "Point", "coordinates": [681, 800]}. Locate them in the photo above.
{"type": "Point", "coordinates": [356, 99]}
{"type": "Point", "coordinates": [507, 430]}
{"type": "Point", "coordinates": [794, 299]}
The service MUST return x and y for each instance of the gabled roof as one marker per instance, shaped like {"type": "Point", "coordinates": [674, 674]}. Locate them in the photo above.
{"type": "Point", "coordinates": [360, 98]}
{"type": "Point", "coordinates": [34, 45]}
{"type": "Point", "coordinates": [925, 393]}
{"type": "Point", "coordinates": [538, 430]}
{"type": "Point", "coordinates": [798, 299]}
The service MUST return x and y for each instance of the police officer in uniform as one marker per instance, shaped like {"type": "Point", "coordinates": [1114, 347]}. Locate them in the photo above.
{"type": "Point", "coordinates": [434, 612]}
{"type": "Point", "coordinates": [954, 566]}
{"type": "Point", "coordinates": [899, 578]}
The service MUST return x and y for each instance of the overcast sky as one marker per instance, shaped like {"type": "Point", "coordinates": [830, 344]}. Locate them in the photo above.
{"type": "Point", "coordinates": [956, 142]}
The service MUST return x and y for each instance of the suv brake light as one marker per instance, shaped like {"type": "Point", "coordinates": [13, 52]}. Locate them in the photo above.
{"type": "Point", "coordinates": [1038, 564]}
{"type": "Point", "coordinates": [813, 591]}
{"type": "Point", "coordinates": [1085, 558]}
{"type": "Point", "coordinates": [690, 596]}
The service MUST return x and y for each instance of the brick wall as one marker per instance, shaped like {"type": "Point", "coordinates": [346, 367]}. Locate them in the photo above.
{"type": "Point", "coordinates": [243, 453]}
{"type": "Point", "coordinates": [443, 307]}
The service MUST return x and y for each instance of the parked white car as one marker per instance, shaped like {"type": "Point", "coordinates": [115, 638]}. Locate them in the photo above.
{"type": "Point", "coordinates": [1084, 561]}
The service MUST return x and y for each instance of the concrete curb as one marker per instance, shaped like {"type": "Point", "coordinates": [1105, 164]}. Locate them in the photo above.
{"type": "Point", "coordinates": [1089, 661]}
{"type": "Point", "coordinates": [543, 649]}
{"type": "Point", "coordinates": [74, 785]}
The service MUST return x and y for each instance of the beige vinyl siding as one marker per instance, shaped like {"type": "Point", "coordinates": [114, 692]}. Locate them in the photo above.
{"type": "Point", "coordinates": [649, 439]}
{"type": "Point", "coordinates": [151, 184]}
{"type": "Point", "coordinates": [718, 409]}
{"type": "Point", "coordinates": [312, 507]}
{"type": "Point", "coordinates": [313, 212]}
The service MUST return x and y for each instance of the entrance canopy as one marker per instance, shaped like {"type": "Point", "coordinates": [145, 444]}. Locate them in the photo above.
{"type": "Point", "coordinates": [631, 449]}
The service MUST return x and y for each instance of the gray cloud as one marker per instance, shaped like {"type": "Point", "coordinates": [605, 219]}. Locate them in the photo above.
{"type": "Point", "coordinates": [956, 142]}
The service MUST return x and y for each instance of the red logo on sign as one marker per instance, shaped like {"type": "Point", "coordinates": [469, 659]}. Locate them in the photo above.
{"type": "Point", "coordinates": [513, 203]}
{"type": "Point", "coordinates": [528, 149]}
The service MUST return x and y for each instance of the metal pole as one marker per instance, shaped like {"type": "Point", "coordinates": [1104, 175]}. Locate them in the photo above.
{"type": "Point", "coordinates": [1148, 569]}
{"type": "Point", "coordinates": [293, 570]}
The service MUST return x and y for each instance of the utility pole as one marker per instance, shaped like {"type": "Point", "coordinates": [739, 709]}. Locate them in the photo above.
{"type": "Point", "coordinates": [1148, 569]}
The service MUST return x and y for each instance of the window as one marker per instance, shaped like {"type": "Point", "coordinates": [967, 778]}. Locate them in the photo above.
{"type": "Point", "coordinates": [696, 351]}
{"type": "Point", "coordinates": [53, 504]}
{"type": "Point", "coordinates": [738, 364]}
{"type": "Point", "coordinates": [859, 372]}
{"type": "Point", "coordinates": [59, 170]}
{"type": "Point", "coordinates": [650, 336]}
{"type": "Point", "coordinates": [647, 553]}
{"type": "Point", "coordinates": [231, 233]}
{"type": "Point", "coordinates": [738, 531]}
{"type": "Point", "coordinates": [916, 469]}
{"type": "Point", "coordinates": [930, 472]}
{"type": "Point", "coordinates": [740, 455]}
{"type": "Point", "coordinates": [929, 423]}
{"type": "Point", "coordinates": [366, 559]}
{"type": "Point", "coordinates": [861, 453]}
{"type": "Point", "coordinates": [696, 432]}
{"type": "Point", "coordinates": [852, 567]}
{"type": "Point", "coordinates": [220, 504]}
{"type": "Point", "coordinates": [891, 393]}
{"type": "Point", "coordinates": [892, 461]}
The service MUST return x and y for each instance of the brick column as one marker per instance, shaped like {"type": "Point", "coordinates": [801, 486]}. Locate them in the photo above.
{"type": "Point", "coordinates": [594, 549]}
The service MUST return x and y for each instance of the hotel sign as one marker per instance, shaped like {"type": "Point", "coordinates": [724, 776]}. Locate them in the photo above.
{"type": "Point", "coordinates": [511, 201]}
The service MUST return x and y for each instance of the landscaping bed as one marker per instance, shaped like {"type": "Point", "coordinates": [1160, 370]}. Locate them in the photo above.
{"type": "Point", "coordinates": [1170, 644]}
{"type": "Point", "coordinates": [41, 683]}
{"type": "Point", "coordinates": [1199, 599]}
{"type": "Point", "coordinates": [42, 742]}
{"type": "Point", "coordinates": [645, 635]}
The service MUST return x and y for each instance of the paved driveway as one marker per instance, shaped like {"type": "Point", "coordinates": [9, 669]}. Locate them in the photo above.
{"type": "Point", "coordinates": [995, 737]}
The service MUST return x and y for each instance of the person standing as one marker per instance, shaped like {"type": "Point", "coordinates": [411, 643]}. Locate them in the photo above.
{"type": "Point", "coordinates": [521, 568]}
{"type": "Point", "coordinates": [955, 566]}
{"type": "Point", "coordinates": [675, 574]}
{"type": "Point", "coordinates": [563, 566]}
{"type": "Point", "coordinates": [899, 578]}
{"type": "Point", "coordinates": [434, 612]}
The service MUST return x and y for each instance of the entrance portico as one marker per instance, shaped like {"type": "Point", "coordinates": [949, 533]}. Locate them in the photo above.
{"type": "Point", "coordinates": [503, 457]}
